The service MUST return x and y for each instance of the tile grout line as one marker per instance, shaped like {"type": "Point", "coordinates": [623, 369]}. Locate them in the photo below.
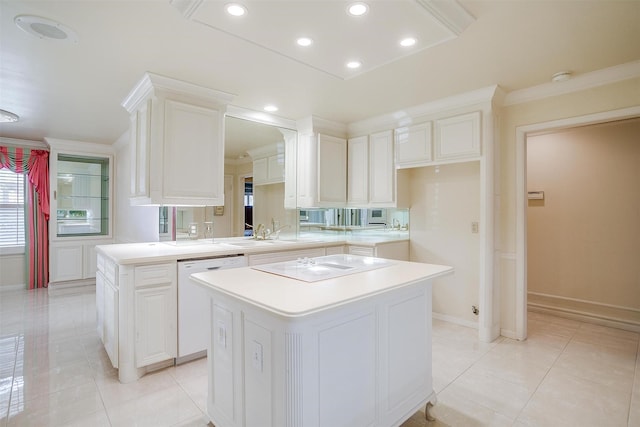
{"type": "Point", "coordinates": [547, 373]}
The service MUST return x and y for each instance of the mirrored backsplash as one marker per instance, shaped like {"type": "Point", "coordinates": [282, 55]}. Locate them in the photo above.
{"type": "Point", "coordinates": [185, 224]}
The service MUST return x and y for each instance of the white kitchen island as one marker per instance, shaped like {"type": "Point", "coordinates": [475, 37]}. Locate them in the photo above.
{"type": "Point", "coordinates": [353, 350]}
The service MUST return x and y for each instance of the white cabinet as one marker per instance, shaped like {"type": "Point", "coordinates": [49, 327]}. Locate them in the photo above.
{"type": "Point", "coordinates": [458, 137]}
{"type": "Point", "coordinates": [358, 171]}
{"type": "Point", "coordinates": [177, 142]}
{"type": "Point", "coordinates": [382, 171]}
{"type": "Point", "coordinates": [413, 146]}
{"type": "Point", "coordinates": [107, 306]}
{"type": "Point", "coordinates": [66, 262]}
{"type": "Point", "coordinates": [290, 172]}
{"type": "Point", "coordinates": [392, 250]}
{"type": "Point", "coordinates": [322, 171]}
{"type": "Point", "coordinates": [268, 164]}
{"type": "Point", "coordinates": [155, 313]}
{"type": "Point", "coordinates": [371, 171]}
{"type": "Point", "coordinates": [81, 194]}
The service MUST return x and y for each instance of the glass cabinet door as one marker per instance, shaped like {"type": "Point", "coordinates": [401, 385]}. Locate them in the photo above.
{"type": "Point", "coordinates": [82, 196]}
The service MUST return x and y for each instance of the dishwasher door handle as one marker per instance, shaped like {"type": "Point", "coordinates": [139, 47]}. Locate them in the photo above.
{"type": "Point", "coordinates": [213, 268]}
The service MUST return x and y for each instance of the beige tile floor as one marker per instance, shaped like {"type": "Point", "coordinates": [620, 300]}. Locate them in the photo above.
{"type": "Point", "coordinates": [54, 372]}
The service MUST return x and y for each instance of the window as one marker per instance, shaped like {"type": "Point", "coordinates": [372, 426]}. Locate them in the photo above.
{"type": "Point", "coordinates": [11, 212]}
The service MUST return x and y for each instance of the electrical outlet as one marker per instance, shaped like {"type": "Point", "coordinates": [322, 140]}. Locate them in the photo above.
{"type": "Point", "coordinates": [474, 227]}
{"type": "Point", "coordinates": [222, 334]}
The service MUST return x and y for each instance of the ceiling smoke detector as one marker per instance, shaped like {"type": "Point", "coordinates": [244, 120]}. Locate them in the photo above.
{"type": "Point", "coordinates": [44, 28]}
{"type": "Point", "coordinates": [561, 76]}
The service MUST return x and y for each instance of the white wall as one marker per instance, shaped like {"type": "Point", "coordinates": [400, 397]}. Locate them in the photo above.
{"type": "Point", "coordinates": [12, 274]}
{"type": "Point", "coordinates": [132, 223]}
{"type": "Point", "coordinates": [444, 201]}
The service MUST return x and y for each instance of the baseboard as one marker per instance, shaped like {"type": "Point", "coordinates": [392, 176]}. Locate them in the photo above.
{"type": "Point", "coordinates": [626, 318]}
{"type": "Point", "coordinates": [456, 320]}
{"type": "Point", "coordinates": [507, 333]}
{"type": "Point", "coordinates": [75, 287]}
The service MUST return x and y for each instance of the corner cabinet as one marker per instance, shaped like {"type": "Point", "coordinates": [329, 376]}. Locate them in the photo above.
{"type": "Point", "coordinates": [177, 142]}
{"type": "Point", "coordinates": [81, 194]}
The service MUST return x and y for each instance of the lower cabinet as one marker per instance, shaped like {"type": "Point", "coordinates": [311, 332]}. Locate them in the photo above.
{"type": "Point", "coordinates": [155, 325]}
{"type": "Point", "coordinates": [391, 250]}
{"type": "Point", "coordinates": [73, 263]}
{"type": "Point", "coordinates": [110, 330]}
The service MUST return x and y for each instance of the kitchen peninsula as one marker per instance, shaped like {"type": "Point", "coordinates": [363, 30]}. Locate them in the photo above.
{"type": "Point", "coordinates": [137, 287]}
{"type": "Point", "coordinates": [353, 349]}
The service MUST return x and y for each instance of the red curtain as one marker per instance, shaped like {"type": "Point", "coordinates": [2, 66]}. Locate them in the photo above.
{"type": "Point", "coordinates": [35, 164]}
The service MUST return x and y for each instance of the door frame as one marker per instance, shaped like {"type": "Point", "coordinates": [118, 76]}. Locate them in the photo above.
{"type": "Point", "coordinates": [521, 195]}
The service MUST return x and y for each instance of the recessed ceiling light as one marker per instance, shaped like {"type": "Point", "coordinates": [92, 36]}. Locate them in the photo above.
{"type": "Point", "coordinates": [8, 117]}
{"type": "Point", "coordinates": [408, 42]}
{"type": "Point", "coordinates": [45, 28]}
{"type": "Point", "coordinates": [561, 76]}
{"type": "Point", "coordinates": [236, 9]}
{"type": "Point", "coordinates": [354, 64]}
{"type": "Point", "coordinates": [357, 9]}
{"type": "Point", "coordinates": [304, 41]}
{"type": "Point", "coordinates": [270, 108]}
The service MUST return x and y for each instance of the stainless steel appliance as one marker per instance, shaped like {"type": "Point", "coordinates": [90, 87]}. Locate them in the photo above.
{"type": "Point", "coordinates": [194, 323]}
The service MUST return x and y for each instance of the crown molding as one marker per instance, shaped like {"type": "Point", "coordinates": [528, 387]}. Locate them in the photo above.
{"type": "Point", "coordinates": [578, 83]}
{"type": "Point", "coordinates": [79, 146]}
{"type": "Point", "coordinates": [449, 13]}
{"type": "Point", "coordinates": [408, 115]}
{"type": "Point", "coordinates": [24, 143]}
{"type": "Point", "coordinates": [260, 117]}
{"type": "Point", "coordinates": [150, 83]}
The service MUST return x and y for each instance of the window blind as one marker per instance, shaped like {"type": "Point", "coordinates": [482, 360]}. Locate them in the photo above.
{"type": "Point", "coordinates": [11, 209]}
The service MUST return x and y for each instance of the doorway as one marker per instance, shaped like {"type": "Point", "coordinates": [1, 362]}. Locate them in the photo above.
{"type": "Point", "coordinates": [522, 133]}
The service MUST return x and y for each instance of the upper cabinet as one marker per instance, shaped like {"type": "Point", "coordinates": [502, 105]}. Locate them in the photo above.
{"type": "Point", "coordinates": [452, 139]}
{"type": "Point", "coordinates": [322, 171]}
{"type": "Point", "coordinates": [177, 142]}
{"type": "Point", "coordinates": [458, 137]}
{"type": "Point", "coordinates": [371, 172]}
{"type": "Point", "coordinates": [268, 164]}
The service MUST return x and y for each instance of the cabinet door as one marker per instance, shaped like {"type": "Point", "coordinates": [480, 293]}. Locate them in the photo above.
{"type": "Point", "coordinates": [66, 262]}
{"type": "Point", "coordinates": [413, 145]}
{"type": "Point", "coordinates": [110, 317]}
{"type": "Point", "coordinates": [332, 170]}
{"type": "Point", "coordinates": [100, 305]}
{"type": "Point", "coordinates": [458, 137]}
{"type": "Point", "coordinates": [275, 169]}
{"type": "Point", "coordinates": [90, 261]}
{"type": "Point", "coordinates": [140, 127]}
{"type": "Point", "coordinates": [362, 250]}
{"type": "Point", "coordinates": [307, 171]}
{"type": "Point", "coordinates": [290, 165]}
{"type": "Point", "coordinates": [193, 155]}
{"type": "Point", "coordinates": [382, 171]}
{"type": "Point", "coordinates": [358, 171]}
{"type": "Point", "coordinates": [156, 332]}
{"type": "Point", "coordinates": [260, 171]}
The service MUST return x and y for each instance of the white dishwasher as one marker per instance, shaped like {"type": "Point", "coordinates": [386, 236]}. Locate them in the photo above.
{"type": "Point", "coordinates": [194, 322]}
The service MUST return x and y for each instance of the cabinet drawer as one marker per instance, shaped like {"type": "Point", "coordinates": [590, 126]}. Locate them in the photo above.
{"type": "Point", "coordinates": [156, 274]}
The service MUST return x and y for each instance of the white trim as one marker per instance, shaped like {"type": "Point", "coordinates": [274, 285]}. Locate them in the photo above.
{"type": "Point", "coordinates": [508, 333]}
{"type": "Point", "coordinates": [7, 251]}
{"type": "Point", "coordinates": [521, 196]}
{"type": "Point", "coordinates": [508, 255]}
{"type": "Point", "coordinates": [590, 80]}
{"type": "Point", "coordinates": [260, 117]}
{"type": "Point", "coordinates": [89, 148]}
{"type": "Point", "coordinates": [450, 14]}
{"type": "Point", "coordinates": [585, 317]}
{"type": "Point", "coordinates": [455, 320]}
{"type": "Point", "coordinates": [584, 301]}
{"type": "Point", "coordinates": [24, 143]}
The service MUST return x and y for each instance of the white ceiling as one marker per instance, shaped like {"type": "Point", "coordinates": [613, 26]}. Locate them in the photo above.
{"type": "Point", "coordinates": [74, 91]}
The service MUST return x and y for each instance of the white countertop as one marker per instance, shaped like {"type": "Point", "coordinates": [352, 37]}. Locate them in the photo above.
{"type": "Point", "coordinates": [294, 298]}
{"type": "Point", "coordinates": [139, 253]}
